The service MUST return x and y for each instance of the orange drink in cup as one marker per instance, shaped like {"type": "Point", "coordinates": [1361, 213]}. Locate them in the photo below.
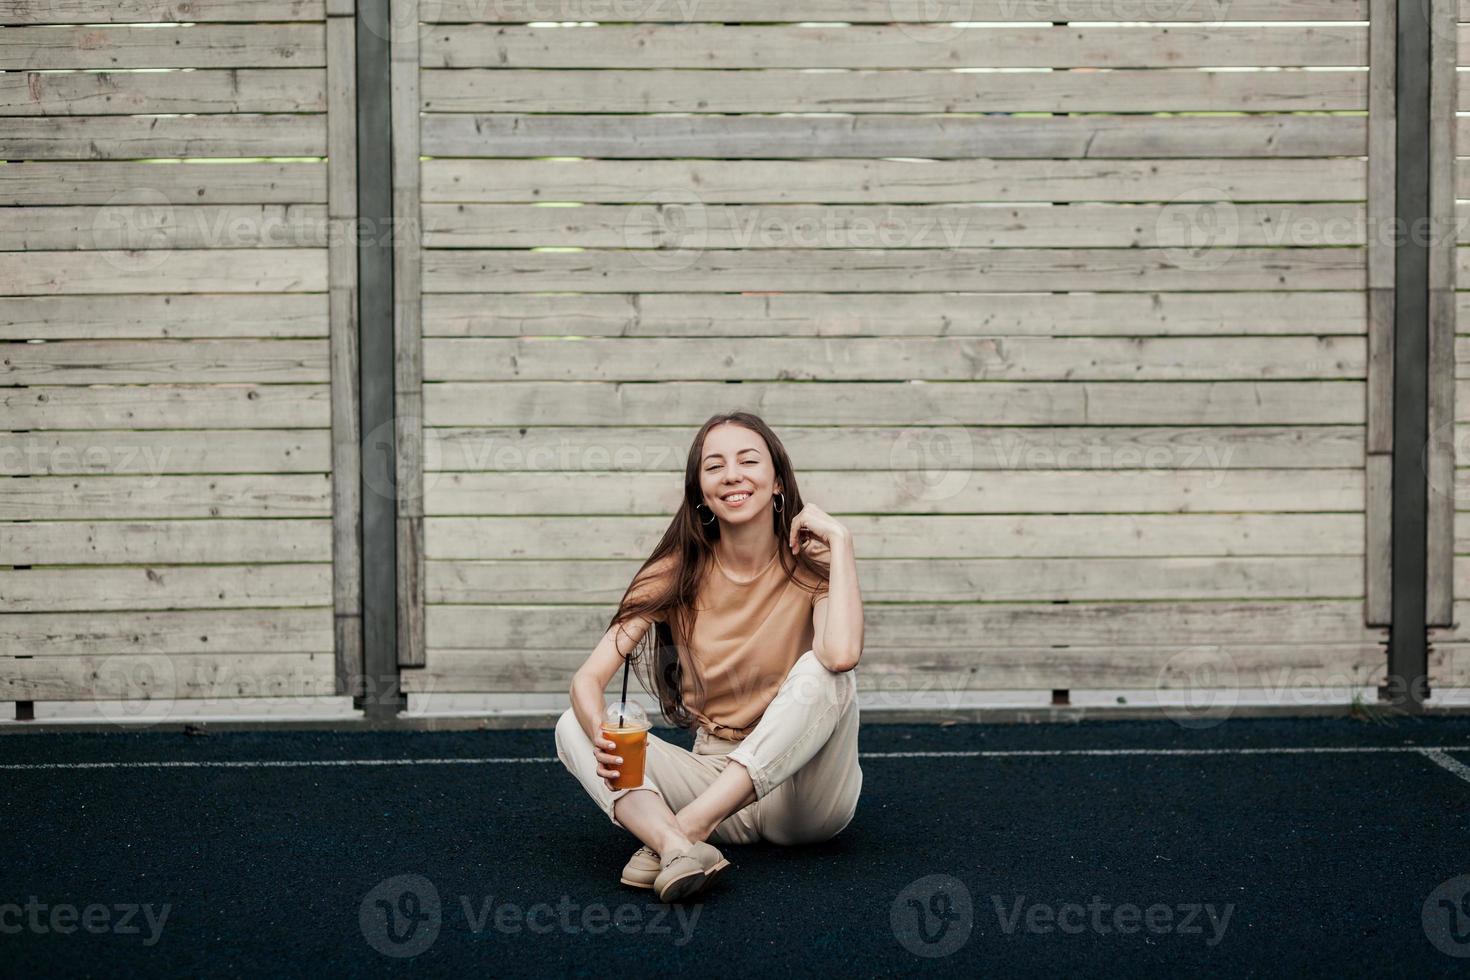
{"type": "Point", "coordinates": [626, 726]}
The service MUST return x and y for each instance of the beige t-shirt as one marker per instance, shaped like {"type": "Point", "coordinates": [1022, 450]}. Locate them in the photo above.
{"type": "Point", "coordinates": [747, 635]}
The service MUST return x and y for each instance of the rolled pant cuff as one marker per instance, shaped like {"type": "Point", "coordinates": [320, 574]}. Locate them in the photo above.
{"type": "Point", "coordinates": [757, 777]}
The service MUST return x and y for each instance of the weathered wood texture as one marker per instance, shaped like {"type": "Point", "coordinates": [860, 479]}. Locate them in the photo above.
{"type": "Point", "coordinates": [1093, 372]}
{"type": "Point", "coordinates": [178, 320]}
{"type": "Point", "coordinates": [1447, 457]}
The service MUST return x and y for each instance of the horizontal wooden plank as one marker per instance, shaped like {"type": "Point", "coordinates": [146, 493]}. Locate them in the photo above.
{"type": "Point", "coordinates": [884, 270]}
{"type": "Point", "coordinates": [946, 484]}
{"type": "Point", "coordinates": [135, 588]}
{"type": "Point", "coordinates": [123, 452]}
{"type": "Point", "coordinates": [615, 136]}
{"type": "Point", "coordinates": [147, 226]}
{"type": "Point", "coordinates": [165, 542]}
{"type": "Point", "coordinates": [96, 138]}
{"type": "Point", "coordinates": [221, 270]}
{"type": "Point", "coordinates": [202, 91]}
{"type": "Point", "coordinates": [1460, 631]}
{"type": "Point", "coordinates": [969, 627]}
{"type": "Point", "coordinates": [106, 182]}
{"type": "Point", "coordinates": [77, 498]}
{"type": "Point", "coordinates": [228, 46]}
{"type": "Point", "coordinates": [84, 362]}
{"type": "Point", "coordinates": [529, 581]}
{"type": "Point", "coordinates": [1462, 174]}
{"type": "Point", "coordinates": [225, 406]}
{"type": "Point", "coordinates": [896, 359]}
{"type": "Point", "coordinates": [156, 11]}
{"type": "Point", "coordinates": [886, 673]}
{"type": "Point", "coordinates": [250, 631]}
{"type": "Point", "coordinates": [153, 683]}
{"type": "Point", "coordinates": [1449, 669]}
{"type": "Point", "coordinates": [815, 226]}
{"type": "Point", "coordinates": [163, 316]}
{"type": "Point", "coordinates": [930, 536]}
{"type": "Point", "coordinates": [911, 46]}
{"type": "Point", "coordinates": [891, 314]}
{"type": "Point", "coordinates": [865, 181]}
{"type": "Point", "coordinates": [794, 90]}
{"type": "Point", "coordinates": [689, 403]}
{"type": "Point", "coordinates": [881, 11]}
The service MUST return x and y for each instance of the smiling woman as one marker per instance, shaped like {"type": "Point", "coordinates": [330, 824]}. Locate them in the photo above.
{"type": "Point", "coordinates": [734, 603]}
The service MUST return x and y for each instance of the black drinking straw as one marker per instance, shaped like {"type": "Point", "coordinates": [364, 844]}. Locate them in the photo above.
{"type": "Point", "coordinates": [625, 693]}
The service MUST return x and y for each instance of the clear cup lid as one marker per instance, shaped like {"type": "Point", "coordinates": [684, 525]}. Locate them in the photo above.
{"type": "Point", "coordinates": [632, 716]}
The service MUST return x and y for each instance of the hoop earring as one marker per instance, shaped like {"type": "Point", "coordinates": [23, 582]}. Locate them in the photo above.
{"type": "Point", "coordinates": [782, 508]}
{"type": "Point", "coordinates": [712, 519]}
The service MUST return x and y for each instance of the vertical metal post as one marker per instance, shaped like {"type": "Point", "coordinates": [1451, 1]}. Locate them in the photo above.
{"type": "Point", "coordinates": [1407, 682]}
{"type": "Point", "coordinates": [382, 698]}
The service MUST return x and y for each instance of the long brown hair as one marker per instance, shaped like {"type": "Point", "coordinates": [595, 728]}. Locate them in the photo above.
{"type": "Point", "coordinates": [668, 582]}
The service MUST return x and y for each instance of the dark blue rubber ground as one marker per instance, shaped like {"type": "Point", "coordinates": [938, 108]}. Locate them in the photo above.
{"type": "Point", "coordinates": [1324, 863]}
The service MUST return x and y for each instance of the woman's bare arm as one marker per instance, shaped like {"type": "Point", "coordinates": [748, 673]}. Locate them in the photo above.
{"type": "Point", "coordinates": [591, 680]}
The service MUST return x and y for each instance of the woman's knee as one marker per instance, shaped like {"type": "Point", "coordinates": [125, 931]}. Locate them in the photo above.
{"type": "Point", "coordinates": [569, 733]}
{"type": "Point", "coordinates": [813, 677]}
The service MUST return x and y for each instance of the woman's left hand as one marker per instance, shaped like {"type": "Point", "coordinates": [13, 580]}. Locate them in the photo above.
{"type": "Point", "coordinates": [814, 522]}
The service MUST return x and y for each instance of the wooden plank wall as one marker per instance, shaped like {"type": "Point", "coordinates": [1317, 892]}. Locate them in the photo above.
{"type": "Point", "coordinates": [177, 296]}
{"type": "Point", "coordinates": [1079, 354]}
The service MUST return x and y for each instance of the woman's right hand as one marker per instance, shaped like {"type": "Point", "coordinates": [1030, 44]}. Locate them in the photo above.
{"type": "Point", "coordinates": [608, 762]}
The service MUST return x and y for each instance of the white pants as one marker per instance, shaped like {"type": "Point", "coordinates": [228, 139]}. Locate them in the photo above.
{"type": "Point", "coordinates": [802, 757]}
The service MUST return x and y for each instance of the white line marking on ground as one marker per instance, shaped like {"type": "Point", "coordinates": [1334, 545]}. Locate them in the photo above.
{"type": "Point", "coordinates": [1431, 751]}
{"type": "Point", "coordinates": [1453, 765]}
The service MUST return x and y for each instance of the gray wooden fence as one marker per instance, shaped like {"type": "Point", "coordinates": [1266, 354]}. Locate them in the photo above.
{"type": "Point", "coordinates": [1085, 331]}
{"type": "Point", "coordinates": [178, 316]}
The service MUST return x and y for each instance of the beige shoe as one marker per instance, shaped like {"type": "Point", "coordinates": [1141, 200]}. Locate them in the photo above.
{"type": "Point", "coordinates": [682, 876]}
{"type": "Point", "coordinates": [710, 859]}
{"type": "Point", "coordinates": [643, 867]}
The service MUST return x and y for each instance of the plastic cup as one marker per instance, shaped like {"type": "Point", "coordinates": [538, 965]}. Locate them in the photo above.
{"type": "Point", "coordinates": [626, 725]}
